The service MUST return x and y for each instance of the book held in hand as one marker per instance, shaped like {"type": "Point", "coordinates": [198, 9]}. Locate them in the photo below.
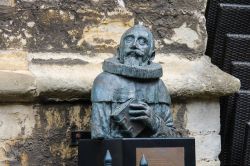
{"type": "Point", "coordinates": [121, 116]}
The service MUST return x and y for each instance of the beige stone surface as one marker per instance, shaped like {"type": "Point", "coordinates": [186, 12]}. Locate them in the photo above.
{"type": "Point", "coordinates": [108, 32]}
{"type": "Point", "coordinates": [196, 78]}
{"type": "Point", "coordinates": [62, 80]}
{"type": "Point", "coordinates": [16, 121]}
{"type": "Point", "coordinates": [10, 3]}
{"type": "Point", "coordinates": [5, 148]}
{"type": "Point", "coordinates": [203, 117]}
{"type": "Point", "coordinates": [13, 60]}
{"type": "Point", "coordinates": [203, 123]}
{"type": "Point", "coordinates": [208, 147]}
{"type": "Point", "coordinates": [35, 134]}
{"type": "Point", "coordinates": [208, 163]}
{"type": "Point", "coordinates": [185, 35]}
{"type": "Point", "coordinates": [17, 86]}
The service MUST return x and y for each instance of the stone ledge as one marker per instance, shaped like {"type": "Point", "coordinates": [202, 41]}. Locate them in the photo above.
{"type": "Point", "coordinates": [17, 86]}
{"type": "Point", "coordinates": [69, 77]}
{"type": "Point", "coordinates": [196, 78]}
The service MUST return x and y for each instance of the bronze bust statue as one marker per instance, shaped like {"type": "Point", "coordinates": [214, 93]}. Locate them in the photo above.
{"type": "Point", "coordinates": [128, 98]}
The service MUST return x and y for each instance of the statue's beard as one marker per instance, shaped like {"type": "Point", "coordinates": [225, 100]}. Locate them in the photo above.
{"type": "Point", "coordinates": [135, 58]}
{"type": "Point", "coordinates": [133, 61]}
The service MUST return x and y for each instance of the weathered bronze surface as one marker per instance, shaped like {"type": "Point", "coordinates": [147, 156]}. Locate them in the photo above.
{"type": "Point", "coordinates": [128, 98]}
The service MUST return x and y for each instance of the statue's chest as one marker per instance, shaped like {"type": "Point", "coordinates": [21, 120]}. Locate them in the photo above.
{"type": "Point", "coordinates": [143, 91]}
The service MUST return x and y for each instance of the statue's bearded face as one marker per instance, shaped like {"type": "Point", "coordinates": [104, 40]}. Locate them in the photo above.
{"type": "Point", "coordinates": [136, 47]}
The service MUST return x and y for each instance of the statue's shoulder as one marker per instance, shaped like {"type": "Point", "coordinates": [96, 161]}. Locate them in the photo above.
{"type": "Point", "coordinates": [107, 76]}
{"type": "Point", "coordinates": [162, 85]}
{"type": "Point", "coordinates": [105, 80]}
{"type": "Point", "coordinates": [163, 92]}
{"type": "Point", "coordinates": [104, 86]}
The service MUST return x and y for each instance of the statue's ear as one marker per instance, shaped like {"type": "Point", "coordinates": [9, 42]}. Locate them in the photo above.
{"type": "Point", "coordinates": [152, 56]}
{"type": "Point", "coordinates": [119, 55]}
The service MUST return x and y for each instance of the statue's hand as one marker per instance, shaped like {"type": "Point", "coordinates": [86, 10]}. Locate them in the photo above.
{"type": "Point", "coordinates": [142, 112]}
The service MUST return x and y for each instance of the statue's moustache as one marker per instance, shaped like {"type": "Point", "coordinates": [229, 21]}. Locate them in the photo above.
{"type": "Point", "coordinates": [136, 52]}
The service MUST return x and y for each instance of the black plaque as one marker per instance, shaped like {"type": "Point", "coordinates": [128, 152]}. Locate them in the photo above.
{"type": "Point", "coordinates": [127, 151]}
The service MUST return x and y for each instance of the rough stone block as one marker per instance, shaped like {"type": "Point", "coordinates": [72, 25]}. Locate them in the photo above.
{"type": "Point", "coordinates": [40, 134]}
{"type": "Point", "coordinates": [108, 32]}
{"type": "Point", "coordinates": [17, 86]}
{"type": "Point", "coordinates": [66, 78]}
{"type": "Point", "coordinates": [16, 121]}
{"type": "Point", "coordinates": [208, 147]}
{"type": "Point", "coordinates": [202, 121]}
{"type": "Point", "coordinates": [10, 3]}
{"type": "Point", "coordinates": [13, 60]}
{"type": "Point", "coordinates": [208, 163]}
{"type": "Point", "coordinates": [195, 78]}
{"type": "Point", "coordinates": [203, 117]}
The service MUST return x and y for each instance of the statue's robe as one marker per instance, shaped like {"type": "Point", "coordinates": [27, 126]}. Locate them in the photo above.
{"type": "Point", "coordinates": [110, 90]}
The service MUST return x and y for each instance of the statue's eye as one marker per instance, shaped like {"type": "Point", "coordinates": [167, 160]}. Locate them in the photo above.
{"type": "Point", "coordinates": [129, 39]}
{"type": "Point", "coordinates": [142, 41]}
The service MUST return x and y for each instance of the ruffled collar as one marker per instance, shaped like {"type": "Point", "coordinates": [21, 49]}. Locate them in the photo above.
{"type": "Point", "coordinates": [152, 71]}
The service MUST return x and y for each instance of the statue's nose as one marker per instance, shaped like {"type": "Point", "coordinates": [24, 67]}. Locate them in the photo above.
{"type": "Point", "coordinates": [134, 45]}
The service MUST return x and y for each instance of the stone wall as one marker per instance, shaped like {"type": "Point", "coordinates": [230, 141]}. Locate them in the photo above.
{"type": "Point", "coordinates": [96, 25]}
{"type": "Point", "coordinates": [39, 134]}
{"type": "Point", "coordinates": [51, 51]}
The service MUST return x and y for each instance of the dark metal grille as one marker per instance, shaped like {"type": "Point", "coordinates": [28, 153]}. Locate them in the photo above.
{"type": "Point", "coordinates": [228, 27]}
{"type": "Point", "coordinates": [247, 145]}
{"type": "Point", "coordinates": [242, 116]}
{"type": "Point", "coordinates": [232, 19]}
{"type": "Point", "coordinates": [211, 15]}
{"type": "Point", "coordinates": [227, 116]}
{"type": "Point", "coordinates": [237, 48]}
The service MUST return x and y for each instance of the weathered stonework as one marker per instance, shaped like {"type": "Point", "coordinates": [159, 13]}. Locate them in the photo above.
{"type": "Point", "coordinates": [202, 123]}
{"type": "Point", "coordinates": [199, 118]}
{"type": "Point", "coordinates": [40, 134]}
{"type": "Point", "coordinates": [41, 78]}
{"type": "Point", "coordinates": [50, 124]}
{"type": "Point", "coordinates": [107, 34]}
{"type": "Point", "coordinates": [96, 26]}
{"type": "Point", "coordinates": [55, 49]}
{"type": "Point", "coordinates": [42, 131]}
{"type": "Point", "coordinates": [5, 3]}
{"type": "Point", "coordinates": [13, 60]}
{"type": "Point", "coordinates": [17, 86]}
